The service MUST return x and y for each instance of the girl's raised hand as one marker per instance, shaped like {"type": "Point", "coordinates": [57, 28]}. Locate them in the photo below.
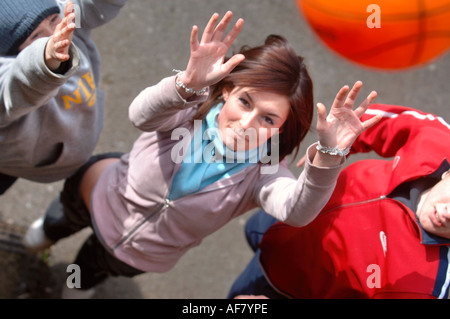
{"type": "Point", "coordinates": [340, 128]}
{"type": "Point", "coordinates": [343, 125]}
{"type": "Point", "coordinates": [206, 63]}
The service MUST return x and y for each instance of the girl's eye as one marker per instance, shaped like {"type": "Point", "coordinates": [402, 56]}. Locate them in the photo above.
{"type": "Point", "coordinates": [244, 102]}
{"type": "Point", "coordinates": [268, 120]}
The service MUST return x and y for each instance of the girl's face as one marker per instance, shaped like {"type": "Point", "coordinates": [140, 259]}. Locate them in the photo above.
{"type": "Point", "coordinates": [45, 29]}
{"type": "Point", "coordinates": [434, 208]}
{"type": "Point", "coordinates": [250, 117]}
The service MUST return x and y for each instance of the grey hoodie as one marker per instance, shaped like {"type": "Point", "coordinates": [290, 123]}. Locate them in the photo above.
{"type": "Point", "coordinates": [50, 123]}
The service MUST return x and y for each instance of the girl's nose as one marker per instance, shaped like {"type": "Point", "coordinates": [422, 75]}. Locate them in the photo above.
{"type": "Point", "coordinates": [247, 120]}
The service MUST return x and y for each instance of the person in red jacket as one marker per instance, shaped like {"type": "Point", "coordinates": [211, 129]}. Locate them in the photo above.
{"type": "Point", "coordinates": [385, 232]}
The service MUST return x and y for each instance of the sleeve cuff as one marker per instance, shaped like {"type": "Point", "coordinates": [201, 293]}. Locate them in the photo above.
{"type": "Point", "coordinates": [321, 176]}
{"type": "Point", "coordinates": [67, 68]}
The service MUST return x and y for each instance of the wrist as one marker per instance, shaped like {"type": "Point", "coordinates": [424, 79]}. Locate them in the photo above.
{"type": "Point", "coordinates": [333, 150]}
{"type": "Point", "coordinates": [52, 63]}
{"type": "Point", "coordinates": [329, 156]}
{"type": "Point", "coordinates": [184, 83]}
{"type": "Point", "coordinates": [327, 160]}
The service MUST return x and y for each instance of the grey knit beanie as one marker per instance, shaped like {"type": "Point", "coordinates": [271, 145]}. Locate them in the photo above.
{"type": "Point", "coordinates": [19, 18]}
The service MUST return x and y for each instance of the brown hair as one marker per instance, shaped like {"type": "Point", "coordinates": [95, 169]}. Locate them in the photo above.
{"type": "Point", "coordinates": [276, 68]}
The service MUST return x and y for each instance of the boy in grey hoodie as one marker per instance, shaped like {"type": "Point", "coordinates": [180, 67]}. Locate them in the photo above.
{"type": "Point", "coordinates": [51, 109]}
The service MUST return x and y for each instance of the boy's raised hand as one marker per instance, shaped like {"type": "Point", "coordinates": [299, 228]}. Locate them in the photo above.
{"type": "Point", "coordinates": [57, 49]}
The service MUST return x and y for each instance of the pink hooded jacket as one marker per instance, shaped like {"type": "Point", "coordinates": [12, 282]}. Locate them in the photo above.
{"type": "Point", "coordinates": [137, 222]}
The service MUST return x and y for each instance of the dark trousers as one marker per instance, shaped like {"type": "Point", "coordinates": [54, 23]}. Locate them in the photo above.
{"type": "Point", "coordinates": [252, 280]}
{"type": "Point", "coordinates": [67, 215]}
{"type": "Point", "coordinates": [6, 182]}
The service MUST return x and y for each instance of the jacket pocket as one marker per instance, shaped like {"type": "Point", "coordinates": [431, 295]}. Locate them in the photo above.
{"type": "Point", "coordinates": [53, 156]}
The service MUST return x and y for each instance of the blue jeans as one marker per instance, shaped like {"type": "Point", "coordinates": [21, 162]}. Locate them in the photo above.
{"type": "Point", "coordinates": [252, 280]}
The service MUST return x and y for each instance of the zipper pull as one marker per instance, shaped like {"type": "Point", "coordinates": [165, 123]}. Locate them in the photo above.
{"type": "Point", "coordinates": [166, 202]}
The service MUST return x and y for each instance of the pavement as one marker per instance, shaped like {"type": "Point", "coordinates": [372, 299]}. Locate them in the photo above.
{"type": "Point", "coordinates": [141, 46]}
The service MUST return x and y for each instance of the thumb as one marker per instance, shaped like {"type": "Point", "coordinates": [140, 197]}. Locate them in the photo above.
{"type": "Point", "coordinates": [233, 62]}
{"type": "Point", "coordinates": [321, 113]}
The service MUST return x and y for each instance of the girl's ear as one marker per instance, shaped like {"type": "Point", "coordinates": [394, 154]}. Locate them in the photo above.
{"type": "Point", "coordinates": [226, 91]}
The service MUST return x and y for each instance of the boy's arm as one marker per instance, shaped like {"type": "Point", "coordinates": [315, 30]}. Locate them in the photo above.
{"type": "Point", "coordinates": [26, 83]}
{"type": "Point", "coordinates": [30, 80]}
{"type": "Point", "coordinates": [403, 131]}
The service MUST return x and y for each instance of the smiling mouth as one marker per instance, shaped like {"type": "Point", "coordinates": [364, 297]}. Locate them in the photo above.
{"type": "Point", "coordinates": [238, 134]}
{"type": "Point", "coordinates": [435, 219]}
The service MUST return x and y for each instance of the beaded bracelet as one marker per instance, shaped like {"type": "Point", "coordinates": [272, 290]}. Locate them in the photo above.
{"type": "Point", "coordinates": [332, 150]}
{"type": "Point", "coordinates": [186, 89]}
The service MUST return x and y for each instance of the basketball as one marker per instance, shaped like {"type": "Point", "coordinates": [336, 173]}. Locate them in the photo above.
{"type": "Point", "coordinates": [381, 34]}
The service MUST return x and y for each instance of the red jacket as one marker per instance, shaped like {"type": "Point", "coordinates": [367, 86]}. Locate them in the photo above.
{"type": "Point", "coordinates": [365, 244]}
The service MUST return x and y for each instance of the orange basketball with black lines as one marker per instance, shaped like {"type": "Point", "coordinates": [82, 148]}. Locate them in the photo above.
{"type": "Point", "coordinates": [382, 34]}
